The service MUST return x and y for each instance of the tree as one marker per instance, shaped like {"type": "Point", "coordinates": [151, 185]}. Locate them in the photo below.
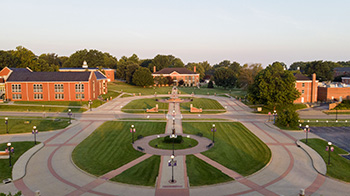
{"type": "Point", "coordinates": [273, 86]}
{"type": "Point", "coordinates": [323, 69]}
{"type": "Point", "coordinates": [288, 117]}
{"type": "Point", "coordinates": [8, 60]}
{"type": "Point", "coordinates": [130, 70]}
{"type": "Point", "coordinates": [94, 58]}
{"type": "Point", "coordinates": [164, 61]}
{"type": "Point", "coordinates": [225, 77]}
{"type": "Point", "coordinates": [123, 64]}
{"type": "Point", "coordinates": [298, 66]}
{"type": "Point", "coordinates": [210, 84]}
{"type": "Point", "coordinates": [181, 82]}
{"type": "Point", "coordinates": [247, 74]}
{"type": "Point", "coordinates": [143, 77]}
{"type": "Point", "coordinates": [199, 69]}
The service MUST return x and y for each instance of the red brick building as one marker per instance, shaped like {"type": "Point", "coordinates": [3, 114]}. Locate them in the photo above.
{"type": "Point", "coordinates": [307, 88]}
{"type": "Point", "coordinates": [25, 85]}
{"type": "Point", "coordinates": [333, 92]}
{"type": "Point", "coordinates": [190, 78]}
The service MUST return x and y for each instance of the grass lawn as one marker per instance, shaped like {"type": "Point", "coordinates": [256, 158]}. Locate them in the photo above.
{"type": "Point", "coordinates": [339, 167]}
{"type": "Point", "coordinates": [25, 124]}
{"type": "Point", "coordinates": [187, 143]}
{"type": "Point", "coordinates": [122, 86]}
{"type": "Point", "coordinates": [235, 146]}
{"type": "Point", "coordinates": [204, 103]}
{"type": "Point", "coordinates": [201, 173]}
{"type": "Point", "coordinates": [20, 148]}
{"type": "Point", "coordinates": [324, 123]}
{"type": "Point", "coordinates": [144, 173]}
{"type": "Point", "coordinates": [211, 91]}
{"type": "Point", "coordinates": [19, 108]}
{"type": "Point", "coordinates": [140, 105]}
{"type": "Point", "coordinates": [109, 146]}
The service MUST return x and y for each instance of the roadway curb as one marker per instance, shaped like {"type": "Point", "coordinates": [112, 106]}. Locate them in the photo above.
{"type": "Point", "coordinates": [20, 167]}
{"type": "Point", "coordinates": [298, 142]}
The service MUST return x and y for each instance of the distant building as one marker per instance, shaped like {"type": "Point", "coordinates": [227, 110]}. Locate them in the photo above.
{"type": "Point", "coordinates": [109, 73]}
{"type": "Point", "coordinates": [307, 88]}
{"type": "Point", "coordinates": [341, 71]}
{"type": "Point", "coordinates": [25, 85]}
{"type": "Point", "coordinates": [333, 92]}
{"type": "Point", "coordinates": [190, 78]}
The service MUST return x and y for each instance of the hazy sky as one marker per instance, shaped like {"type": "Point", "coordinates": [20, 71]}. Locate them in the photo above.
{"type": "Point", "coordinates": [246, 31]}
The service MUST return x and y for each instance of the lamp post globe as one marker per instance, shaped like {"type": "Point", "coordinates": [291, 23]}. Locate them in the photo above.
{"type": "Point", "coordinates": [329, 148]}
{"type": "Point", "coordinates": [6, 123]}
{"type": "Point", "coordinates": [34, 132]}
{"type": "Point", "coordinates": [132, 130]}
{"type": "Point", "coordinates": [213, 129]}
{"type": "Point", "coordinates": [307, 131]}
{"type": "Point", "coordinates": [9, 149]}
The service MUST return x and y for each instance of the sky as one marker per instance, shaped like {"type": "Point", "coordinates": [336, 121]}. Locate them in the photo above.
{"type": "Point", "coordinates": [246, 31]}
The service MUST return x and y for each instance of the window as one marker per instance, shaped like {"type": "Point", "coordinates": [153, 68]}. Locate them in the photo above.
{"type": "Point", "coordinates": [303, 84]}
{"type": "Point", "coordinates": [93, 85]}
{"type": "Point", "coordinates": [302, 91]}
{"type": "Point", "coordinates": [16, 88]}
{"type": "Point", "coordinates": [38, 88]}
{"type": "Point", "coordinates": [79, 88]}
{"type": "Point", "coordinates": [58, 87]}
{"type": "Point", "coordinates": [59, 96]}
{"type": "Point", "coordinates": [38, 96]}
{"type": "Point", "coordinates": [16, 96]}
{"type": "Point", "coordinates": [77, 96]}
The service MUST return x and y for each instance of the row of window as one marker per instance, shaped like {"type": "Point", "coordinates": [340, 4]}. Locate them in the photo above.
{"type": "Point", "coordinates": [38, 88]}
{"type": "Point", "coordinates": [40, 96]}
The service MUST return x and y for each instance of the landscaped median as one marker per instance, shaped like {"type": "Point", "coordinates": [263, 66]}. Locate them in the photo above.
{"type": "Point", "coordinates": [18, 124]}
{"type": "Point", "coordinates": [339, 166]}
{"type": "Point", "coordinates": [325, 122]}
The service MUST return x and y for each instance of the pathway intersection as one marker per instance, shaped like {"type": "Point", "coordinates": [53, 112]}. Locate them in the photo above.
{"type": "Point", "coordinates": [52, 171]}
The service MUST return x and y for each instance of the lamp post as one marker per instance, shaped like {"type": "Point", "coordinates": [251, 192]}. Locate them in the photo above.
{"type": "Point", "coordinates": [90, 104]}
{"type": "Point", "coordinates": [173, 136]}
{"type": "Point", "coordinates": [213, 129]}
{"type": "Point", "coordinates": [173, 122]}
{"type": "Point", "coordinates": [132, 131]}
{"type": "Point", "coordinates": [274, 116]}
{"type": "Point", "coordinates": [9, 149]}
{"type": "Point", "coordinates": [307, 129]}
{"type": "Point", "coordinates": [329, 148]}
{"type": "Point", "coordinates": [69, 115]}
{"type": "Point", "coordinates": [173, 163]}
{"type": "Point", "coordinates": [35, 131]}
{"type": "Point", "coordinates": [6, 123]}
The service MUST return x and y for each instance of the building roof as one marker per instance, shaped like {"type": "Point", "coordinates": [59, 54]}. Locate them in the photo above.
{"type": "Point", "coordinates": [100, 76]}
{"type": "Point", "coordinates": [14, 69]}
{"type": "Point", "coordinates": [342, 69]}
{"type": "Point", "coordinates": [81, 69]}
{"type": "Point", "coordinates": [175, 69]}
{"type": "Point", "coordinates": [48, 76]}
{"type": "Point", "coordinates": [299, 76]}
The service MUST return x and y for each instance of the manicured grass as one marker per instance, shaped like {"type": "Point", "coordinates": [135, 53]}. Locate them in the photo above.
{"type": "Point", "coordinates": [20, 148]}
{"type": "Point", "coordinates": [61, 103]}
{"type": "Point", "coordinates": [109, 146]}
{"type": "Point", "coordinates": [121, 86]}
{"type": "Point", "coordinates": [140, 105]}
{"type": "Point", "coordinates": [20, 108]}
{"type": "Point", "coordinates": [201, 173]}
{"type": "Point", "coordinates": [187, 143]}
{"type": "Point", "coordinates": [339, 167]}
{"type": "Point", "coordinates": [204, 103]}
{"type": "Point", "coordinates": [144, 173]}
{"type": "Point", "coordinates": [324, 123]}
{"type": "Point", "coordinates": [25, 124]}
{"type": "Point", "coordinates": [235, 146]}
{"type": "Point", "coordinates": [211, 91]}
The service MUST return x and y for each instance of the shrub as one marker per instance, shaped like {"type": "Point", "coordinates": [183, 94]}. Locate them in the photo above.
{"type": "Point", "coordinates": [210, 84]}
{"type": "Point", "coordinates": [288, 117]}
{"type": "Point", "coordinates": [176, 140]}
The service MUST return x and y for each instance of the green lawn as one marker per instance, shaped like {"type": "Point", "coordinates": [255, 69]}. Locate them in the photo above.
{"type": "Point", "coordinates": [109, 146]}
{"type": "Point", "coordinates": [339, 167]}
{"type": "Point", "coordinates": [324, 123]}
{"type": "Point", "coordinates": [201, 173]}
{"type": "Point", "coordinates": [204, 103]}
{"type": "Point", "coordinates": [20, 148]}
{"type": "Point", "coordinates": [20, 108]}
{"type": "Point", "coordinates": [187, 143]}
{"type": "Point", "coordinates": [211, 91]}
{"type": "Point", "coordinates": [25, 124]}
{"type": "Point", "coordinates": [140, 105]}
{"type": "Point", "coordinates": [144, 173]}
{"type": "Point", "coordinates": [121, 86]}
{"type": "Point", "coordinates": [235, 146]}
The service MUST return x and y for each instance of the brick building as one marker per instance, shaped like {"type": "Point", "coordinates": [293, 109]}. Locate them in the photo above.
{"type": "Point", "coordinates": [25, 85]}
{"type": "Point", "coordinates": [307, 88]}
{"type": "Point", "coordinates": [190, 78]}
{"type": "Point", "coordinates": [107, 72]}
{"type": "Point", "coordinates": [333, 92]}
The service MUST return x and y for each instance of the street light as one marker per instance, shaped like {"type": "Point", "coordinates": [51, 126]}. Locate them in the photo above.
{"type": "Point", "coordinates": [132, 131]}
{"type": "Point", "coordinates": [306, 131]}
{"type": "Point", "coordinates": [70, 115]}
{"type": "Point", "coordinates": [6, 123]}
{"type": "Point", "coordinates": [173, 123]}
{"type": "Point", "coordinates": [172, 163]}
{"type": "Point", "coordinates": [213, 130]}
{"type": "Point", "coordinates": [34, 131]}
{"type": "Point", "coordinates": [173, 136]}
{"type": "Point", "coordinates": [9, 149]}
{"type": "Point", "coordinates": [274, 116]}
{"type": "Point", "coordinates": [90, 104]}
{"type": "Point", "coordinates": [329, 148]}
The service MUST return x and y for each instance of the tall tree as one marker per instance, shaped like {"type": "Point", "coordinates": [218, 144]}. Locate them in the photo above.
{"type": "Point", "coordinates": [130, 70]}
{"type": "Point", "coordinates": [164, 61]}
{"type": "Point", "coordinates": [225, 77]}
{"type": "Point", "coordinates": [199, 69]}
{"type": "Point", "coordinates": [273, 86]}
{"type": "Point", "coordinates": [123, 64]}
{"type": "Point", "coordinates": [323, 69]}
{"type": "Point", "coordinates": [8, 60]}
{"type": "Point", "coordinates": [143, 77]}
{"type": "Point", "coordinates": [247, 74]}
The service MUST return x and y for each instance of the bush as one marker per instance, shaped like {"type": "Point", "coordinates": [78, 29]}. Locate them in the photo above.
{"type": "Point", "coordinates": [199, 134]}
{"type": "Point", "coordinates": [344, 105]}
{"type": "Point", "coordinates": [210, 84]}
{"type": "Point", "coordinates": [176, 140]}
{"type": "Point", "coordinates": [288, 117]}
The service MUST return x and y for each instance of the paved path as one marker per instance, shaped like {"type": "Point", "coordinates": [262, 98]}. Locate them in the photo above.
{"type": "Point", "coordinates": [51, 170]}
